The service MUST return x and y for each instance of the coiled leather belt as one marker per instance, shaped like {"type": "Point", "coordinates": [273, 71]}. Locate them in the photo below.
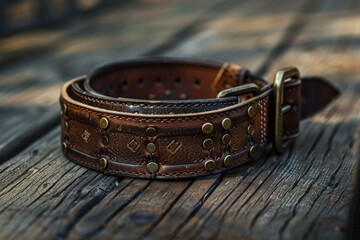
{"type": "Point", "coordinates": [178, 118]}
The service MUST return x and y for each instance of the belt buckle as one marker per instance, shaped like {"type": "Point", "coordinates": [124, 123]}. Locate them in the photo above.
{"type": "Point", "coordinates": [280, 109]}
{"type": "Point", "coordinates": [239, 90]}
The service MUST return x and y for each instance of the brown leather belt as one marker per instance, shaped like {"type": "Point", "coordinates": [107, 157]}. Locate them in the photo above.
{"type": "Point", "coordinates": [178, 118]}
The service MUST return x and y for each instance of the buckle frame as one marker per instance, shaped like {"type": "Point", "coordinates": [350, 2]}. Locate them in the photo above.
{"type": "Point", "coordinates": [279, 108]}
{"type": "Point", "coordinates": [239, 90]}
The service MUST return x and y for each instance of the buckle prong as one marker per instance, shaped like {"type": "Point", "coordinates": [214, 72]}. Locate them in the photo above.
{"type": "Point", "coordinates": [280, 109]}
{"type": "Point", "coordinates": [285, 109]}
{"type": "Point", "coordinates": [239, 90]}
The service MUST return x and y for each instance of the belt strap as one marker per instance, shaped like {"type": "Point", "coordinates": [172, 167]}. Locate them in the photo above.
{"type": "Point", "coordinates": [179, 118]}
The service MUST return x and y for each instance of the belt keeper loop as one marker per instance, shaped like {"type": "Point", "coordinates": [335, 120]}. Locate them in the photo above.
{"type": "Point", "coordinates": [218, 76]}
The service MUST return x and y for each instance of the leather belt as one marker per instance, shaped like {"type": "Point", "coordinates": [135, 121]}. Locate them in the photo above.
{"type": "Point", "coordinates": [179, 118]}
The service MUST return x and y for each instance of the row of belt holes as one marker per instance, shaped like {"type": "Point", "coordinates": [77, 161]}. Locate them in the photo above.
{"type": "Point", "coordinates": [158, 80]}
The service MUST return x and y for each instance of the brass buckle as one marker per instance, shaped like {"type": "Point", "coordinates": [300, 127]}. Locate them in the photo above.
{"type": "Point", "coordinates": [239, 90]}
{"type": "Point", "coordinates": [280, 109]}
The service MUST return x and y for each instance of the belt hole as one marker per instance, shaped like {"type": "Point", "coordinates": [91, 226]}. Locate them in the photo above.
{"type": "Point", "coordinates": [125, 84]}
{"type": "Point", "coordinates": [197, 82]}
{"type": "Point", "coordinates": [178, 80]}
{"type": "Point", "coordinates": [141, 81]}
{"type": "Point", "coordinates": [158, 80]}
{"type": "Point", "coordinates": [110, 87]}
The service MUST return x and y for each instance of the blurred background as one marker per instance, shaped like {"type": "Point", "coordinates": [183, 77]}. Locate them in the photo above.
{"type": "Point", "coordinates": [18, 15]}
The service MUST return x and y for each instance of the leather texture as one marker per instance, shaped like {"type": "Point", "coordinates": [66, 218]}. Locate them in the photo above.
{"type": "Point", "coordinates": [175, 98]}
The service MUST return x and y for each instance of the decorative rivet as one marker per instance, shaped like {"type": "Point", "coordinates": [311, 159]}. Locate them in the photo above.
{"type": "Point", "coordinates": [104, 123]}
{"type": "Point", "coordinates": [210, 165]}
{"type": "Point", "coordinates": [151, 131]}
{"type": "Point", "coordinates": [105, 140]}
{"type": "Point", "coordinates": [152, 167]}
{"type": "Point", "coordinates": [208, 143]}
{"type": "Point", "coordinates": [250, 130]}
{"type": "Point", "coordinates": [151, 147]}
{"type": "Point", "coordinates": [66, 125]}
{"type": "Point", "coordinates": [251, 112]}
{"type": "Point", "coordinates": [64, 147]}
{"type": "Point", "coordinates": [207, 128]}
{"type": "Point", "coordinates": [225, 139]}
{"type": "Point", "coordinates": [65, 109]}
{"type": "Point", "coordinates": [226, 123]}
{"type": "Point", "coordinates": [102, 163]}
{"type": "Point", "coordinates": [253, 153]}
{"type": "Point", "coordinates": [227, 160]}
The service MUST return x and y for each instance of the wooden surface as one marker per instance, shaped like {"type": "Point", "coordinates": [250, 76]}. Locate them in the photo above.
{"type": "Point", "coordinates": [305, 193]}
{"type": "Point", "coordinates": [19, 15]}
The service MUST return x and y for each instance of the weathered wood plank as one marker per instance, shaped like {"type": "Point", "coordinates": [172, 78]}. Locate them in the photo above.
{"type": "Point", "coordinates": [306, 192]}
{"type": "Point", "coordinates": [31, 88]}
{"type": "Point", "coordinates": [137, 207]}
{"type": "Point", "coordinates": [354, 220]}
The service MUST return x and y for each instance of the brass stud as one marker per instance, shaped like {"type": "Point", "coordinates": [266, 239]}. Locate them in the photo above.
{"type": "Point", "coordinates": [208, 143]}
{"type": "Point", "coordinates": [151, 131]}
{"type": "Point", "coordinates": [151, 147]}
{"type": "Point", "coordinates": [227, 160]}
{"type": "Point", "coordinates": [105, 140]}
{"type": "Point", "coordinates": [102, 163]}
{"type": "Point", "coordinates": [104, 123]}
{"type": "Point", "coordinates": [253, 153]}
{"type": "Point", "coordinates": [250, 130]}
{"type": "Point", "coordinates": [226, 123]}
{"type": "Point", "coordinates": [225, 139]}
{"type": "Point", "coordinates": [207, 128]}
{"type": "Point", "coordinates": [210, 165]}
{"type": "Point", "coordinates": [152, 167]}
{"type": "Point", "coordinates": [66, 125]}
{"type": "Point", "coordinates": [64, 147]}
{"type": "Point", "coordinates": [65, 109]}
{"type": "Point", "coordinates": [251, 112]}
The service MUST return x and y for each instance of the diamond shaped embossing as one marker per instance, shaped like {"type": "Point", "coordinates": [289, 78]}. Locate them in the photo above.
{"type": "Point", "coordinates": [86, 135]}
{"type": "Point", "coordinates": [133, 145]}
{"type": "Point", "coordinates": [174, 146]}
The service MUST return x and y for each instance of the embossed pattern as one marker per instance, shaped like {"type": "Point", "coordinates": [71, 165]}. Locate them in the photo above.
{"type": "Point", "coordinates": [86, 135]}
{"type": "Point", "coordinates": [133, 145]}
{"type": "Point", "coordinates": [174, 146]}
